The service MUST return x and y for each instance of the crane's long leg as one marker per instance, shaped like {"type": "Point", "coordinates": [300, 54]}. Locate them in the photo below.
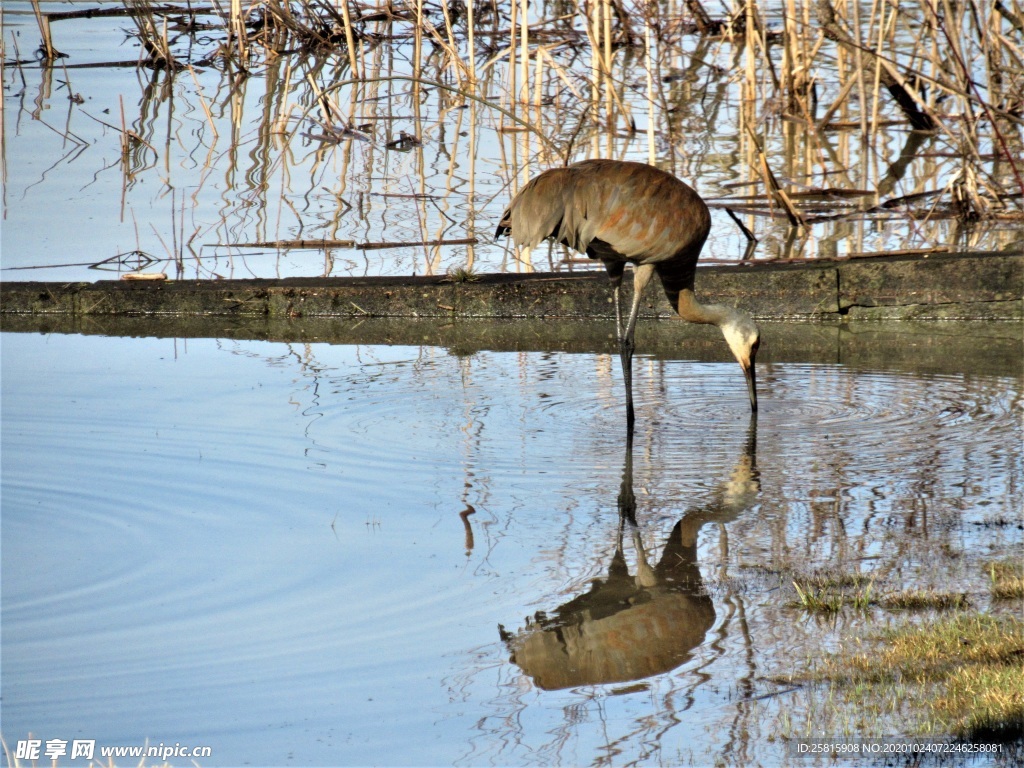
{"type": "Point", "coordinates": [616, 268]}
{"type": "Point", "coordinates": [641, 277]}
{"type": "Point", "coordinates": [617, 293]}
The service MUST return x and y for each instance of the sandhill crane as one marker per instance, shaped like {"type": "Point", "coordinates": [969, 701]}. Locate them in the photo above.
{"type": "Point", "coordinates": [622, 212]}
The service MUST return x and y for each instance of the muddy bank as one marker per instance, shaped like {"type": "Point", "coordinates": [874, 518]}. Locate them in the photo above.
{"type": "Point", "coordinates": [982, 286]}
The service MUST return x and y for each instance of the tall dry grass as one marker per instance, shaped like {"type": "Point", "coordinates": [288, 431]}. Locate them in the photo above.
{"type": "Point", "coordinates": [819, 92]}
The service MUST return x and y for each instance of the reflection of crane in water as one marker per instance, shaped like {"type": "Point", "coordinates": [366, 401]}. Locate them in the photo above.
{"type": "Point", "coordinates": [622, 212]}
{"type": "Point", "coordinates": [629, 627]}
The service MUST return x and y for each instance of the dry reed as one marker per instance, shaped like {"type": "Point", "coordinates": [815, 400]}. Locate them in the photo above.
{"type": "Point", "coordinates": [953, 72]}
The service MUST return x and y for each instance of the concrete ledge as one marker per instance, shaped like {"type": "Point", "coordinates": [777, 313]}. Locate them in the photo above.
{"type": "Point", "coordinates": [947, 286]}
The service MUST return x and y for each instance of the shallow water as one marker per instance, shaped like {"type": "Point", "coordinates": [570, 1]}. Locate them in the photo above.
{"type": "Point", "coordinates": [257, 545]}
{"type": "Point", "coordinates": [225, 163]}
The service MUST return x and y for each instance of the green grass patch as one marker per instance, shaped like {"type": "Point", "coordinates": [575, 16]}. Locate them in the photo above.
{"type": "Point", "coordinates": [461, 275]}
{"type": "Point", "coordinates": [828, 591]}
{"type": "Point", "coordinates": [818, 599]}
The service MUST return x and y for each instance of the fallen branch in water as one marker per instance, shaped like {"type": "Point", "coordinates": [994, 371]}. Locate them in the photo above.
{"type": "Point", "coordinates": [743, 227]}
{"type": "Point", "coordinates": [412, 243]}
{"type": "Point", "coordinates": [912, 105]}
{"type": "Point", "coordinates": [898, 252]}
{"type": "Point", "coordinates": [289, 244]}
{"type": "Point", "coordinates": [778, 194]}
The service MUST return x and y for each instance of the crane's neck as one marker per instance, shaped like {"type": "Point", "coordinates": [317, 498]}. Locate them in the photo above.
{"type": "Point", "coordinates": [738, 328]}
{"type": "Point", "coordinates": [693, 311]}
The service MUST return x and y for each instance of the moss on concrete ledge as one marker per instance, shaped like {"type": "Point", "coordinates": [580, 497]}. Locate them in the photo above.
{"type": "Point", "coordinates": [948, 286]}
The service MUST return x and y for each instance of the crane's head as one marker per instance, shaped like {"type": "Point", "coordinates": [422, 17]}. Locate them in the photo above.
{"type": "Point", "coordinates": [743, 337]}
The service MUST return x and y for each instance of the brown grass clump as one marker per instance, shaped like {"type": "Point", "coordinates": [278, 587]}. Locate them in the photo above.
{"type": "Point", "coordinates": [915, 599]}
{"type": "Point", "coordinates": [964, 674]}
{"type": "Point", "coordinates": [1006, 579]}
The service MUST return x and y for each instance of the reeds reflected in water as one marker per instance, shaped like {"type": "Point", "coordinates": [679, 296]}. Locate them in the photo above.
{"type": "Point", "coordinates": [825, 128]}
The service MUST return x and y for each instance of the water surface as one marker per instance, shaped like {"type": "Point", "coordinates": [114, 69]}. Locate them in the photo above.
{"type": "Point", "coordinates": [257, 545]}
{"type": "Point", "coordinates": [229, 163]}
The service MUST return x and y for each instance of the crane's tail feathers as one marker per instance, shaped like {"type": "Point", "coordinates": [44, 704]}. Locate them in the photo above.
{"type": "Point", "coordinates": [537, 212]}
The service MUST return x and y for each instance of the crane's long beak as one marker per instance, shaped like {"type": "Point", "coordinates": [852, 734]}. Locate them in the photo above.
{"type": "Point", "coordinates": [748, 371]}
